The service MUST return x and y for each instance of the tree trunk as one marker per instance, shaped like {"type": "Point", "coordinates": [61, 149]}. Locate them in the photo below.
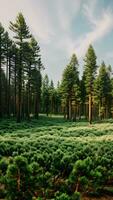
{"type": "Point", "coordinates": [0, 81]}
{"type": "Point", "coordinates": [79, 111]}
{"type": "Point", "coordinates": [28, 96]}
{"type": "Point", "coordinates": [90, 108]}
{"type": "Point", "coordinates": [19, 91]}
{"type": "Point", "coordinates": [37, 106]}
{"type": "Point", "coordinates": [64, 111]}
{"type": "Point", "coordinates": [15, 74]}
{"type": "Point", "coordinates": [67, 108]}
{"type": "Point", "coordinates": [100, 114]}
{"type": "Point", "coordinates": [74, 113]}
{"type": "Point", "coordinates": [70, 110]}
{"type": "Point", "coordinates": [9, 87]}
{"type": "Point", "coordinates": [7, 65]}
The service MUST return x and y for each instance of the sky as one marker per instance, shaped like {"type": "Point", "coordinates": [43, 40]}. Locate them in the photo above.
{"type": "Point", "coordinates": [64, 27]}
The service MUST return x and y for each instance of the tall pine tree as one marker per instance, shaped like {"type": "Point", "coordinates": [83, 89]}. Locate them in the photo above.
{"type": "Point", "coordinates": [70, 85]}
{"type": "Point", "coordinates": [90, 72]}
{"type": "Point", "coordinates": [21, 32]}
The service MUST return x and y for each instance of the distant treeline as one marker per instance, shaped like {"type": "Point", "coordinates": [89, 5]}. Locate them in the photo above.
{"type": "Point", "coordinates": [24, 93]}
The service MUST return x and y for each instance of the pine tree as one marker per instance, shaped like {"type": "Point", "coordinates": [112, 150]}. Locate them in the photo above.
{"type": "Point", "coordinates": [36, 87]}
{"type": "Point", "coordinates": [21, 31]}
{"type": "Point", "coordinates": [7, 47]}
{"type": "Point", "coordinates": [90, 72]}
{"type": "Point", "coordinates": [8, 51]}
{"type": "Point", "coordinates": [103, 91]}
{"type": "Point", "coordinates": [83, 96]}
{"type": "Point", "coordinates": [1, 62]}
{"type": "Point", "coordinates": [33, 77]}
{"type": "Point", "coordinates": [38, 66]}
{"type": "Point", "coordinates": [52, 97]}
{"type": "Point", "coordinates": [70, 85]}
{"type": "Point", "coordinates": [45, 95]}
{"type": "Point", "coordinates": [58, 99]}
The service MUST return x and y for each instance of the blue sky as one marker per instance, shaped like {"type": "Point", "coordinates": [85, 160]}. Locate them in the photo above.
{"type": "Point", "coordinates": [64, 27]}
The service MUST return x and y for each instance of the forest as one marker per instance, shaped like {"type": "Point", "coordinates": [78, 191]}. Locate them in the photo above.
{"type": "Point", "coordinates": [56, 142]}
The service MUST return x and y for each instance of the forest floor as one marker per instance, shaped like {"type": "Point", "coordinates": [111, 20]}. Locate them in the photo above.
{"type": "Point", "coordinates": [59, 132]}
{"type": "Point", "coordinates": [99, 198]}
{"type": "Point", "coordinates": [56, 128]}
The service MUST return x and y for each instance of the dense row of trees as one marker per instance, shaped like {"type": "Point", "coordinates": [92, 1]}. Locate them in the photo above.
{"type": "Point", "coordinates": [23, 92]}
{"type": "Point", "coordinates": [92, 95]}
{"type": "Point", "coordinates": [20, 76]}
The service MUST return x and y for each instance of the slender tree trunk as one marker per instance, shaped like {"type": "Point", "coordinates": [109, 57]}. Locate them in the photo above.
{"type": "Point", "coordinates": [9, 103]}
{"type": "Point", "coordinates": [74, 113]}
{"type": "Point", "coordinates": [19, 91]}
{"type": "Point", "coordinates": [107, 112]}
{"type": "Point", "coordinates": [28, 97]}
{"type": "Point", "coordinates": [67, 108]}
{"type": "Point", "coordinates": [90, 108]}
{"type": "Point", "coordinates": [86, 110]}
{"type": "Point", "coordinates": [23, 101]}
{"type": "Point", "coordinates": [0, 81]}
{"type": "Point", "coordinates": [7, 65]}
{"type": "Point", "coordinates": [77, 185]}
{"type": "Point", "coordinates": [15, 86]}
{"type": "Point", "coordinates": [28, 102]}
{"type": "Point", "coordinates": [79, 111]}
{"type": "Point", "coordinates": [100, 114]}
{"type": "Point", "coordinates": [37, 106]}
{"type": "Point", "coordinates": [70, 110]}
{"type": "Point", "coordinates": [64, 111]}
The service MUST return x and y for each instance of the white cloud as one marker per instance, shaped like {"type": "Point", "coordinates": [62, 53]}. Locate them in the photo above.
{"type": "Point", "coordinates": [109, 55]}
{"type": "Point", "coordinates": [100, 27]}
{"type": "Point", "coordinates": [51, 23]}
{"type": "Point", "coordinates": [88, 11]}
{"type": "Point", "coordinates": [35, 13]}
{"type": "Point", "coordinates": [66, 11]}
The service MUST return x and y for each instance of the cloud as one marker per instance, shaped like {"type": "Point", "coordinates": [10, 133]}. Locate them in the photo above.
{"type": "Point", "coordinates": [109, 55]}
{"type": "Point", "coordinates": [54, 22]}
{"type": "Point", "coordinates": [88, 11]}
{"type": "Point", "coordinates": [35, 13]}
{"type": "Point", "coordinates": [66, 11]}
{"type": "Point", "coordinates": [99, 27]}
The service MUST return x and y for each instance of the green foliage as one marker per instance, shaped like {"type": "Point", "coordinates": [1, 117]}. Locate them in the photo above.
{"type": "Point", "coordinates": [63, 196]}
{"type": "Point", "coordinates": [76, 196]}
{"type": "Point", "coordinates": [18, 177]}
{"type": "Point", "coordinates": [70, 76]}
{"type": "Point", "coordinates": [45, 95]}
{"type": "Point", "coordinates": [70, 89]}
{"type": "Point", "coordinates": [54, 158]}
{"type": "Point", "coordinates": [20, 28]}
{"type": "Point", "coordinates": [90, 69]}
{"type": "Point", "coordinates": [3, 165]}
{"type": "Point", "coordinates": [103, 90]}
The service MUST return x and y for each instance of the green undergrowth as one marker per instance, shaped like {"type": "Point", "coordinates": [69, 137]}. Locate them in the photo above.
{"type": "Point", "coordinates": [68, 155]}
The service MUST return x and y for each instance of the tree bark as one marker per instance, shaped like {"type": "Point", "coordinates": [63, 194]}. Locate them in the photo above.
{"type": "Point", "coordinates": [9, 87]}
{"type": "Point", "coordinates": [0, 81]}
{"type": "Point", "coordinates": [15, 86]}
{"type": "Point", "coordinates": [19, 90]}
{"type": "Point", "coordinates": [70, 110]}
{"type": "Point", "coordinates": [90, 108]}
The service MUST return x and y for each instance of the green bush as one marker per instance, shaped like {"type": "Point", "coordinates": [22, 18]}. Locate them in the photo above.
{"type": "Point", "coordinates": [76, 196]}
